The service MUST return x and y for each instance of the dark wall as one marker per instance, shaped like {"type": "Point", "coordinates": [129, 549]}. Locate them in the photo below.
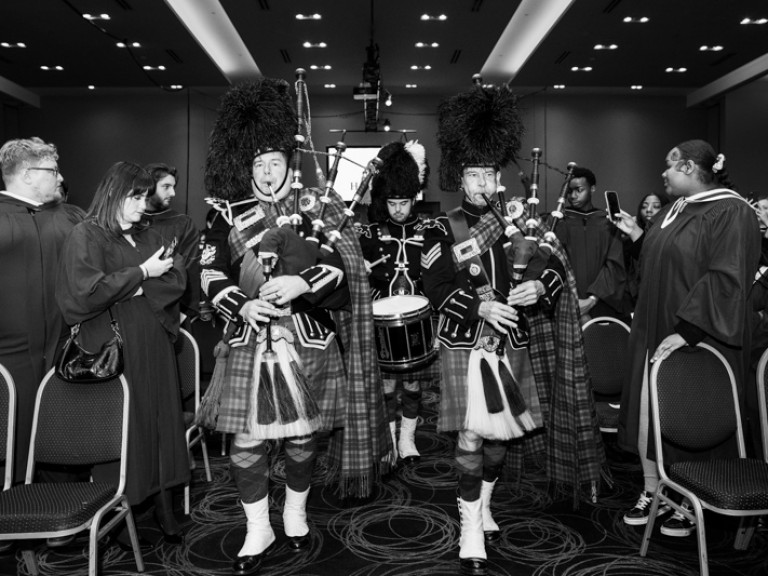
{"type": "Point", "coordinates": [622, 139]}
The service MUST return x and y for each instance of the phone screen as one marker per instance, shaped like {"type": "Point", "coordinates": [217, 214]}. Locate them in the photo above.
{"type": "Point", "coordinates": [612, 202]}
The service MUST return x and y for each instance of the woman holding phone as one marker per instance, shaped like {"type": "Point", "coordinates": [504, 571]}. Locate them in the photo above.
{"type": "Point", "coordinates": [113, 264]}
{"type": "Point", "coordinates": [696, 269]}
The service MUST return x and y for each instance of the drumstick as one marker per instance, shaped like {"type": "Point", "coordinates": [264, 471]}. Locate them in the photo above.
{"type": "Point", "coordinates": [380, 260]}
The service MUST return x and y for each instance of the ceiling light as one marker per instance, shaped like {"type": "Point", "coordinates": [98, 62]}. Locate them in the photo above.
{"type": "Point", "coordinates": [176, 86]}
{"type": "Point", "coordinates": [329, 85]}
{"type": "Point", "coordinates": [13, 44]}
{"type": "Point", "coordinates": [316, 45]}
{"type": "Point", "coordinates": [639, 20]}
{"type": "Point", "coordinates": [387, 126]}
{"type": "Point", "coordinates": [91, 87]}
{"type": "Point", "coordinates": [123, 45]}
{"type": "Point", "coordinates": [429, 17]}
{"type": "Point", "coordinates": [321, 67]}
{"type": "Point", "coordinates": [559, 86]}
{"type": "Point", "coordinates": [427, 45]}
{"type": "Point", "coordinates": [636, 87]}
{"type": "Point", "coordinates": [308, 17]}
{"type": "Point", "coordinates": [676, 70]}
{"type": "Point", "coordinates": [96, 16]}
{"type": "Point", "coordinates": [706, 48]}
{"type": "Point", "coordinates": [756, 21]}
{"type": "Point", "coordinates": [582, 69]}
{"type": "Point", "coordinates": [154, 67]}
{"type": "Point", "coordinates": [388, 101]}
{"type": "Point", "coordinates": [411, 85]}
{"type": "Point", "coordinates": [59, 68]}
{"type": "Point", "coordinates": [415, 67]}
{"type": "Point", "coordinates": [606, 46]}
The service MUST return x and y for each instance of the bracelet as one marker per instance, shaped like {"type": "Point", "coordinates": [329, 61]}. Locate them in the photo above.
{"type": "Point", "coordinates": [144, 271]}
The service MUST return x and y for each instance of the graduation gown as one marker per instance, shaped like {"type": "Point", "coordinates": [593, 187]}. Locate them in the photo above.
{"type": "Point", "coordinates": [99, 271]}
{"type": "Point", "coordinates": [31, 327]}
{"type": "Point", "coordinates": [697, 266]}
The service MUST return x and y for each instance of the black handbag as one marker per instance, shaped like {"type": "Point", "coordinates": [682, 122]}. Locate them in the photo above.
{"type": "Point", "coordinates": [75, 364]}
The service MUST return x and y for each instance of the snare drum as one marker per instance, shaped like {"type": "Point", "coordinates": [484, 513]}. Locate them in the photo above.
{"type": "Point", "coordinates": [404, 334]}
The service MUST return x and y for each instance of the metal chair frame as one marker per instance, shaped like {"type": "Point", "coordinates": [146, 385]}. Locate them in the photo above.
{"type": "Point", "coordinates": [666, 483]}
{"type": "Point", "coordinates": [10, 427]}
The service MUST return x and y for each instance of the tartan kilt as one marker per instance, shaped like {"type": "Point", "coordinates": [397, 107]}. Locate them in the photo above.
{"type": "Point", "coordinates": [426, 376]}
{"type": "Point", "coordinates": [454, 364]}
{"type": "Point", "coordinates": [323, 369]}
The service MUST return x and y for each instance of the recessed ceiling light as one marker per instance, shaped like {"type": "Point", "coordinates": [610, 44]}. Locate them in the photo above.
{"type": "Point", "coordinates": [559, 86]}
{"type": "Point", "coordinates": [676, 70]}
{"type": "Point", "coordinates": [636, 87]}
{"type": "Point", "coordinates": [581, 69]}
{"type": "Point", "coordinates": [411, 85]}
{"type": "Point", "coordinates": [154, 67]}
{"type": "Point", "coordinates": [329, 85]}
{"type": "Point", "coordinates": [96, 16]}
{"type": "Point", "coordinates": [308, 17]}
{"type": "Point", "coordinates": [58, 68]}
{"type": "Point", "coordinates": [757, 21]}
{"type": "Point", "coordinates": [636, 20]}
{"type": "Point", "coordinates": [426, 67]}
{"type": "Point", "coordinates": [606, 46]}
{"type": "Point", "coordinates": [91, 87]}
{"type": "Point", "coordinates": [315, 45]}
{"type": "Point", "coordinates": [706, 48]}
{"type": "Point", "coordinates": [13, 44]}
{"type": "Point", "coordinates": [321, 67]}
{"type": "Point", "coordinates": [176, 86]}
{"type": "Point", "coordinates": [123, 45]}
{"type": "Point", "coordinates": [427, 45]}
{"type": "Point", "coordinates": [438, 18]}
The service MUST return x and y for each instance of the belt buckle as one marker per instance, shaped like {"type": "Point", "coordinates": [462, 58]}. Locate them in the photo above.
{"type": "Point", "coordinates": [489, 343]}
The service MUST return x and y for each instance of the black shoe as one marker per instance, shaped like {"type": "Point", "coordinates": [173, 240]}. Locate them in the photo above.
{"type": "Point", "coordinates": [297, 543]}
{"type": "Point", "coordinates": [174, 539]}
{"type": "Point", "coordinates": [144, 545]}
{"type": "Point", "coordinates": [248, 565]}
{"type": "Point", "coordinates": [473, 566]}
{"type": "Point", "coordinates": [492, 536]}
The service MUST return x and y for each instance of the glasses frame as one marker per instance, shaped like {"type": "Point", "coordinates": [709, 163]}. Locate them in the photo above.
{"type": "Point", "coordinates": [55, 171]}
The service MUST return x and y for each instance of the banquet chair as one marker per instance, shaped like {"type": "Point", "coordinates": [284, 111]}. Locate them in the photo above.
{"type": "Point", "coordinates": [188, 363]}
{"type": "Point", "coordinates": [7, 423]}
{"type": "Point", "coordinates": [606, 342]}
{"type": "Point", "coordinates": [762, 398]}
{"type": "Point", "coordinates": [694, 406]}
{"type": "Point", "coordinates": [75, 425]}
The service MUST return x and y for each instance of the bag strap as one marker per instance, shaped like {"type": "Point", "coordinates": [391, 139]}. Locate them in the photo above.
{"type": "Point", "coordinates": [75, 329]}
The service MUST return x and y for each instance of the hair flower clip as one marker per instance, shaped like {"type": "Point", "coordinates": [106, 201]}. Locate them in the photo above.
{"type": "Point", "coordinates": [718, 165]}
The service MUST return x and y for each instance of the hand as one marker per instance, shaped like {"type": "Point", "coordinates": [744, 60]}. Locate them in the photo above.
{"type": "Point", "coordinates": [283, 289]}
{"type": "Point", "coordinates": [156, 265]}
{"type": "Point", "coordinates": [255, 311]}
{"type": "Point", "coordinates": [667, 346]}
{"type": "Point", "coordinates": [526, 294]}
{"type": "Point", "coordinates": [499, 315]}
{"type": "Point", "coordinates": [586, 304]}
{"type": "Point", "coordinates": [626, 224]}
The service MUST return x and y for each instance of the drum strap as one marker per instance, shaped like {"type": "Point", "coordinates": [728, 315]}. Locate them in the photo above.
{"type": "Point", "coordinates": [467, 255]}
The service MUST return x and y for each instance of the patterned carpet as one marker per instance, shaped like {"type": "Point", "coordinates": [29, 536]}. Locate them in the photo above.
{"type": "Point", "coordinates": [410, 527]}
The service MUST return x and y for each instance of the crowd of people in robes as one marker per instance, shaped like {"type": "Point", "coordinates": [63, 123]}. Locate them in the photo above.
{"type": "Point", "coordinates": [300, 354]}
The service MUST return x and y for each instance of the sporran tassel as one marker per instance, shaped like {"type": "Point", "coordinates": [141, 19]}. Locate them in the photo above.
{"type": "Point", "coordinates": [492, 426]}
{"type": "Point", "coordinates": [265, 403]}
{"type": "Point", "coordinates": [490, 388]}
{"type": "Point", "coordinates": [515, 398]}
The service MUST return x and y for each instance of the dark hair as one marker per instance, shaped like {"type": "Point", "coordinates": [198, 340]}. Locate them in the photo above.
{"type": "Point", "coordinates": [704, 156]}
{"type": "Point", "coordinates": [158, 171]}
{"type": "Point", "coordinates": [639, 217]}
{"type": "Point", "coordinates": [123, 179]}
{"type": "Point", "coordinates": [580, 172]}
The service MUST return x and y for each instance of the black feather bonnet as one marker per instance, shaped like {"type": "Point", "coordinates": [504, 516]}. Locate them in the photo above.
{"type": "Point", "coordinates": [403, 174]}
{"type": "Point", "coordinates": [254, 118]}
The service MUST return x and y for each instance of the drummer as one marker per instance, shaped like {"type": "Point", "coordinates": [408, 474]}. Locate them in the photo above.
{"type": "Point", "coordinates": [392, 250]}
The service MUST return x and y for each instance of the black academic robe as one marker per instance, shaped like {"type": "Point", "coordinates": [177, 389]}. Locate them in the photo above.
{"type": "Point", "coordinates": [31, 327]}
{"type": "Point", "coordinates": [100, 271]}
{"type": "Point", "coordinates": [696, 272]}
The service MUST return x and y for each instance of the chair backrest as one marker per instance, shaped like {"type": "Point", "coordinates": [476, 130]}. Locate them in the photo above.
{"type": "Point", "coordinates": [188, 365]}
{"type": "Point", "coordinates": [606, 343]}
{"type": "Point", "coordinates": [7, 423]}
{"type": "Point", "coordinates": [694, 402]}
{"type": "Point", "coordinates": [80, 424]}
{"type": "Point", "coordinates": [762, 398]}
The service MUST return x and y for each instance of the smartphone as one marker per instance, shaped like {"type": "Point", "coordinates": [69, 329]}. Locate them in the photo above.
{"type": "Point", "coordinates": [612, 203]}
{"type": "Point", "coordinates": [169, 249]}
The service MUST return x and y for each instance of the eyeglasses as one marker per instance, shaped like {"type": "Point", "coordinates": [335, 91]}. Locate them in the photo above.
{"type": "Point", "coordinates": [55, 171]}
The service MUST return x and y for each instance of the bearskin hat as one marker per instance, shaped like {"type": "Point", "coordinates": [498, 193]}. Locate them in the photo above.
{"type": "Point", "coordinates": [403, 174]}
{"type": "Point", "coordinates": [480, 127]}
{"type": "Point", "coordinates": [254, 118]}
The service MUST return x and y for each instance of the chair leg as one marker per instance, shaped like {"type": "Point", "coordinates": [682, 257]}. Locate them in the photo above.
{"type": "Point", "coordinates": [223, 443]}
{"type": "Point", "coordinates": [701, 535]}
{"type": "Point", "coordinates": [204, 448]}
{"type": "Point", "coordinates": [131, 525]}
{"type": "Point", "coordinates": [745, 532]}
{"type": "Point", "coordinates": [186, 499]}
{"type": "Point", "coordinates": [31, 561]}
{"type": "Point", "coordinates": [651, 522]}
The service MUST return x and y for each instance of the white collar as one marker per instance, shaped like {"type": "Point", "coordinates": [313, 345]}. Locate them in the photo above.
{"type": "Point", "coordinates": [699, 197]}
{"type": "Point", "coordinates": [22, 198]}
